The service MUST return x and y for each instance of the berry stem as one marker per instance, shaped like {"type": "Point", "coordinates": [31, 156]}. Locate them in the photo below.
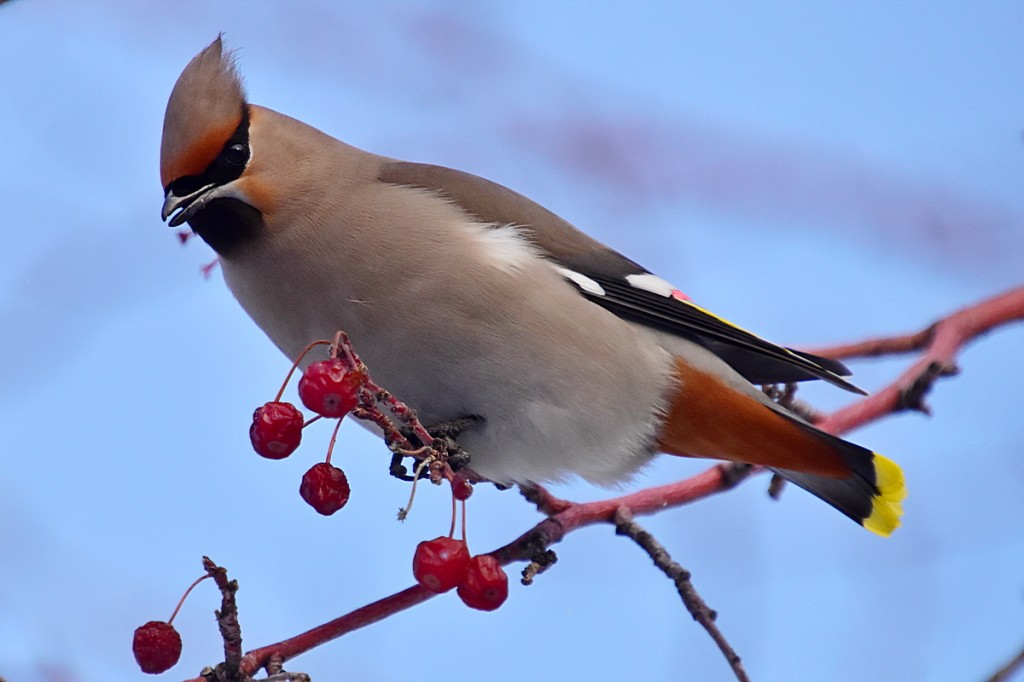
{"type": "Point", "coordinates": [295, 365]}
{"type": "Point", "coordinates": [185, 596]}
{"type": "Point", "coordinates": [344, 346]}
{"type": "Point", "coordinates": [334, 437]}
{"type": "Point", "coordinates": [465, 541]}
{"type": "Point", "coordinates": [332, 352]}
{"type": "Point", "coordinates": [404, 512]}
{"type": "Point", "coordinates": [451, 531]}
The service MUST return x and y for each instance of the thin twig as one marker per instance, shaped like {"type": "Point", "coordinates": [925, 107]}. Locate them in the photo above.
{"type": "Point", "coordinates": [695, 604]}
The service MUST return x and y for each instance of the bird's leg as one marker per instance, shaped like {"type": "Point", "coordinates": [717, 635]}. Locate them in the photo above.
{"type": "Point", "coordinates": [443, 444]}
{"type": "Point", "coordinates": [455, 427]}
{"type": "Point", "coordinates": [446, 434]}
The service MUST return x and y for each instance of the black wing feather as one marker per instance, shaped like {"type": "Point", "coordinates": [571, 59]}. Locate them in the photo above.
{"type": "Point", "coordinates": [741, 349]}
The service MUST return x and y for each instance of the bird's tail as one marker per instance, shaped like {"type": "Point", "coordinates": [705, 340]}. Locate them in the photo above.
{"type": "Point", "coordinates": [709, 418]}
{"type": "Point", "coordinates": [872, 495]}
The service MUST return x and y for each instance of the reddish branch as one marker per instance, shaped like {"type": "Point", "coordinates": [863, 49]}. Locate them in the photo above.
{"type": "Point", "coordinates": [939, 345]}
{"type": "Point", "coordinates": [565, 518]}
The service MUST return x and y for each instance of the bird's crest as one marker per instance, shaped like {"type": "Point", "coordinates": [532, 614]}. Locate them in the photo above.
{"type": "Point", "coordinates": [205, 108]}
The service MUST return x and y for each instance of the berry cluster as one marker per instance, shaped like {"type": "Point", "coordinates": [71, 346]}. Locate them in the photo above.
{"type": "Point", "coordinates": [331, 388]}
{"type": "Point", "coordinates": [444, 563]}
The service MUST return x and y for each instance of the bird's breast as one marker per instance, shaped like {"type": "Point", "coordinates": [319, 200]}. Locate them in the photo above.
{"type": "Point", "coordinates": [563, 386]}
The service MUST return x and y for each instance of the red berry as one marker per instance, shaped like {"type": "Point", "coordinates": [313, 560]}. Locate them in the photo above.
{"type": "Point", "coordinates": [461, 487]}
{"type": "Point", "coordinates": [440, 564]}
{"type": "Point", "coordinates": [329, 388]}
{"type": "Point", "coordinates": [276, 430]}
{"type": "Point", "coordinates": [325, 488]}
{"type": "Point", "coordinates": [157, 647]}
{"type": "Point", "coordinates": [485, 586]}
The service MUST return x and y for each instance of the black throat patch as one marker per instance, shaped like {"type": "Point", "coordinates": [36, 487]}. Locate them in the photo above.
{"type": "Point", "coordinates": [227, 225]}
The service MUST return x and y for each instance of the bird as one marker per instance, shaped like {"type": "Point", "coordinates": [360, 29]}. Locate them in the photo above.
{"type": "Point", "coordinates": [467, 299]}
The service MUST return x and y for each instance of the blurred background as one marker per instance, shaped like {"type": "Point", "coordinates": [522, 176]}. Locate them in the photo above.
{"type": "Point", "coordinates": [817, 172]}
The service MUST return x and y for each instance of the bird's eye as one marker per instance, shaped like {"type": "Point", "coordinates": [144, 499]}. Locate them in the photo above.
{"type": "Point", "coordinates": [237, 154]}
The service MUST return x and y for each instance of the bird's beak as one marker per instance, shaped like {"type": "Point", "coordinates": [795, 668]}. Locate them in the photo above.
{"type": "Point", "coordinates": [190, 204]}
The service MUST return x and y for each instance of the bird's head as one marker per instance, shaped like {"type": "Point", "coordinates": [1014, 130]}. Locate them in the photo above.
{"type": "Point", "coordinates": [206, 154]}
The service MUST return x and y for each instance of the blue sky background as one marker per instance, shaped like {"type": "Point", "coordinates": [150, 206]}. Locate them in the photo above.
{"type": "Point", "coordinates": [818, 172]}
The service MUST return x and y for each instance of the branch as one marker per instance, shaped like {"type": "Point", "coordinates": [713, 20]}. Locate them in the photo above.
{"type": "Point", "coordinates": [360, 618]}
{"type": "Point", "coordinates": [940, 344]}
{"type": "Point", "coordinates": [230, 629]}
{"type": "Point", "coordinates": [698, 608]}
{"type": "Point", "coordinates": [549, 531]}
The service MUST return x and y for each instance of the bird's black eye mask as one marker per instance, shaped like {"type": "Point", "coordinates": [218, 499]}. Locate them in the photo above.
{"type": "Point", "coordinates": [228, 165]}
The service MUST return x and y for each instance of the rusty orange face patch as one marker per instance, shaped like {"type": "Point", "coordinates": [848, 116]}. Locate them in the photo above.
{"type": "Point", "coordinates": [257, 194]}
{"type": "Point", "coordinates": [198, 156]}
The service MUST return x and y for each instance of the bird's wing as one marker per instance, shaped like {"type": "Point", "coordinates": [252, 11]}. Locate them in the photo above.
{"type": "Point", "coordinates": [616, 283]}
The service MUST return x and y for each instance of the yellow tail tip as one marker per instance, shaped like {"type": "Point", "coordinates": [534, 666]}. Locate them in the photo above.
{"type": "Point", "coordinates": [887, 505]}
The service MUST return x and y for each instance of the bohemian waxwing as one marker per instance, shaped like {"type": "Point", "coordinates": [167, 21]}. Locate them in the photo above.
{"type": "Point", "coordinates": [467, 299]}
